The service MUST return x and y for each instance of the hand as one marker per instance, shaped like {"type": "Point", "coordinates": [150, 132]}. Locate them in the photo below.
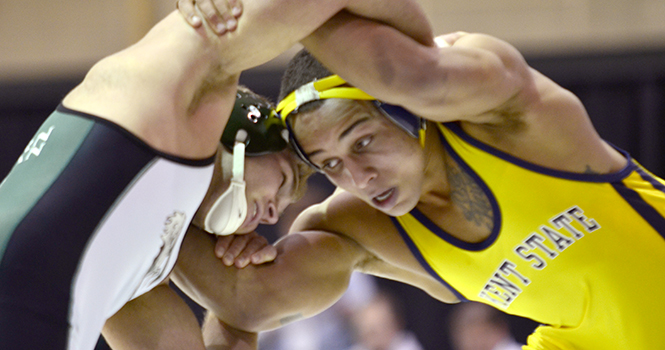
{"type": "Point", "coordinates": [449, 39]}
{"type": "Point", "coordinates": [241, 250]}
{"type": "Point", "coordinates": [221, 15]}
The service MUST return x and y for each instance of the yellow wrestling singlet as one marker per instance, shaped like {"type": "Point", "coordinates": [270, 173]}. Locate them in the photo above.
{"type": "Point", "coordinates": [583, 254]}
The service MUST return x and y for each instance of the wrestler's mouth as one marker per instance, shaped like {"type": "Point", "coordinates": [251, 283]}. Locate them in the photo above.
{"type": "Point", "coordinates": [385, 199]}
{"type": "Point", "coordinates": [252, 221]}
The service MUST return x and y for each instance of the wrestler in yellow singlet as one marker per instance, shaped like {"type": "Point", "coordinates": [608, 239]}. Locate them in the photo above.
{"type": "Point", "coordinates": [584, 256]}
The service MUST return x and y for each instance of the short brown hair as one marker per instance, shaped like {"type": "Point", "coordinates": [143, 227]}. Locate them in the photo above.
{"type": "Point", "coordinates": [302, 69]}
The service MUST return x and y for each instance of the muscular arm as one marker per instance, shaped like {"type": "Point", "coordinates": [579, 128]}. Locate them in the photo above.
{"type": "Point", "coordinates": [405, 15]}
{"type": "Point", "coordinates": [269, 27]}
{"type": "Point", "coordinates": [310, 273]}
{"type": "Point", "coordinates": [176, 71]}
{"type": "Point", "coordinates": [476, 74]}
{"type": "Point", "coordinates": [160, 319]}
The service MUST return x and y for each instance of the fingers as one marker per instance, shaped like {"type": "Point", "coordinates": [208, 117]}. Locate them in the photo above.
{"type": "Point", "coordinates": [236, 8]}
{"type": "Point", "coordinates": [212, 16]}
{"type": "Point", "coordinates": [241, 250]}
{"type": "Point", "coordinates": [228, 248]}
{"type": "Point", "coordinates": [449, 39]}
{"type": "Point", "coordinates": [257, 252]}
{"type": "Point", "coordinates": [266, 254]}
{"type": "Point", "coordinates": [221, 15]}
{"type": "Point", "coordinates": [186, 8]}
{"type": "Point", "coordinates": [228, 18]}
{"type": "Point", "coordinates": [234, 12]}
{"type": "Point", "coordinates": [223, 244]}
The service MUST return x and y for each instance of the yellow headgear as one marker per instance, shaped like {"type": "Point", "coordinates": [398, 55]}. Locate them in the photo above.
{"type": "Point", "coordinates": [331, 87]}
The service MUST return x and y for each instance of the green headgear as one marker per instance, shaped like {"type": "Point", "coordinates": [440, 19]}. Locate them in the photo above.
{"type": "Point", "coordinates": [265, 131]}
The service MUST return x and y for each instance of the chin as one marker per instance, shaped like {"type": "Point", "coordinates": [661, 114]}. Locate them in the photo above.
{"type": "Point", "coordinates": [397, 210]}
{"type": "Point", "coordinates": [402, 208]}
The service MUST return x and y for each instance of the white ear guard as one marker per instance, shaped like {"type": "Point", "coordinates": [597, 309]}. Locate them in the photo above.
{"type": "Point", "coordinates": [252, 130]}
{"type": "Point", "coordinates": [229, 211]}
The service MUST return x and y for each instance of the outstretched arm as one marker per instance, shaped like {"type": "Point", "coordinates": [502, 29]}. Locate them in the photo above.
{"type": "Point", "coordinates": [407, 16]}
{"type": "Point", "coordinates": [175, 70]}
{"type": "Point", "coordinates": [467, 77]}
{"type": "Point", "coordinates": [310, 273]}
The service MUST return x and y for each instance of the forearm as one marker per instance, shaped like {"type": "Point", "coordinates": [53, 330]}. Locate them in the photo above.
{"type": "Point", "coordinates": [267, 28]}
{"type": "Point", "coordinates": [405, 16]}
{"type": "Point", "coordinates": [276, 25]}
{"type": "Point", "coordinates": [310, 273]}
{"type": "Point", "coordinates": [380, 60]}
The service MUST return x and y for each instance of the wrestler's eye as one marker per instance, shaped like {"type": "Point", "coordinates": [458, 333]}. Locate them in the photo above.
{"type": "Point", "coordinates": [331, 164]}
{"type": "Point", "coordinates": [362, 143]}
{"type": "Point", "coordinates": [282, 185]}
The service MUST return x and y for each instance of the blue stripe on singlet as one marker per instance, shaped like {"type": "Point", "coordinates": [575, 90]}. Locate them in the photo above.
{"type": "Point", "coordinates": [646, 210]}
{"type": "Point", "coordinates": [416, 253]}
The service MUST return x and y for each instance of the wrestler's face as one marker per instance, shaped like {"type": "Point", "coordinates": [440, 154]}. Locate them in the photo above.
{"type": "Point", "coordinates": [364, 153]}
{"type": "Point", "coordinates": [270, 188]}
{"type": "Point", "coordinates": [270, 184]}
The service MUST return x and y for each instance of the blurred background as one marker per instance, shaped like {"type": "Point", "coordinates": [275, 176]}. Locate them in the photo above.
{"type": "Point", "coordinates": [611, 53]}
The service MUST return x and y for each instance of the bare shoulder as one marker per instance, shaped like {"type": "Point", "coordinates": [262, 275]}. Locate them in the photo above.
{"type": "Point", "coordinates": [166, 89]}
{"type": "Point", "coordinates": [545, 124]}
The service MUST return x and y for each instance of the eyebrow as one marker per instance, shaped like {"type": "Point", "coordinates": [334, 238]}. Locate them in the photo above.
{"type": "Point", "coordinates": [344, 134]}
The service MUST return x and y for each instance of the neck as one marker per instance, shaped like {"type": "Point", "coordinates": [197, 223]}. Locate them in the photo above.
{"type": "Point", "coordinates": [436, 188]}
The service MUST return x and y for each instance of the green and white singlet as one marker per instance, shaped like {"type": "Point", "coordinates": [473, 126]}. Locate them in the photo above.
{"type": "Point", "coordinates": [90, 218]}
